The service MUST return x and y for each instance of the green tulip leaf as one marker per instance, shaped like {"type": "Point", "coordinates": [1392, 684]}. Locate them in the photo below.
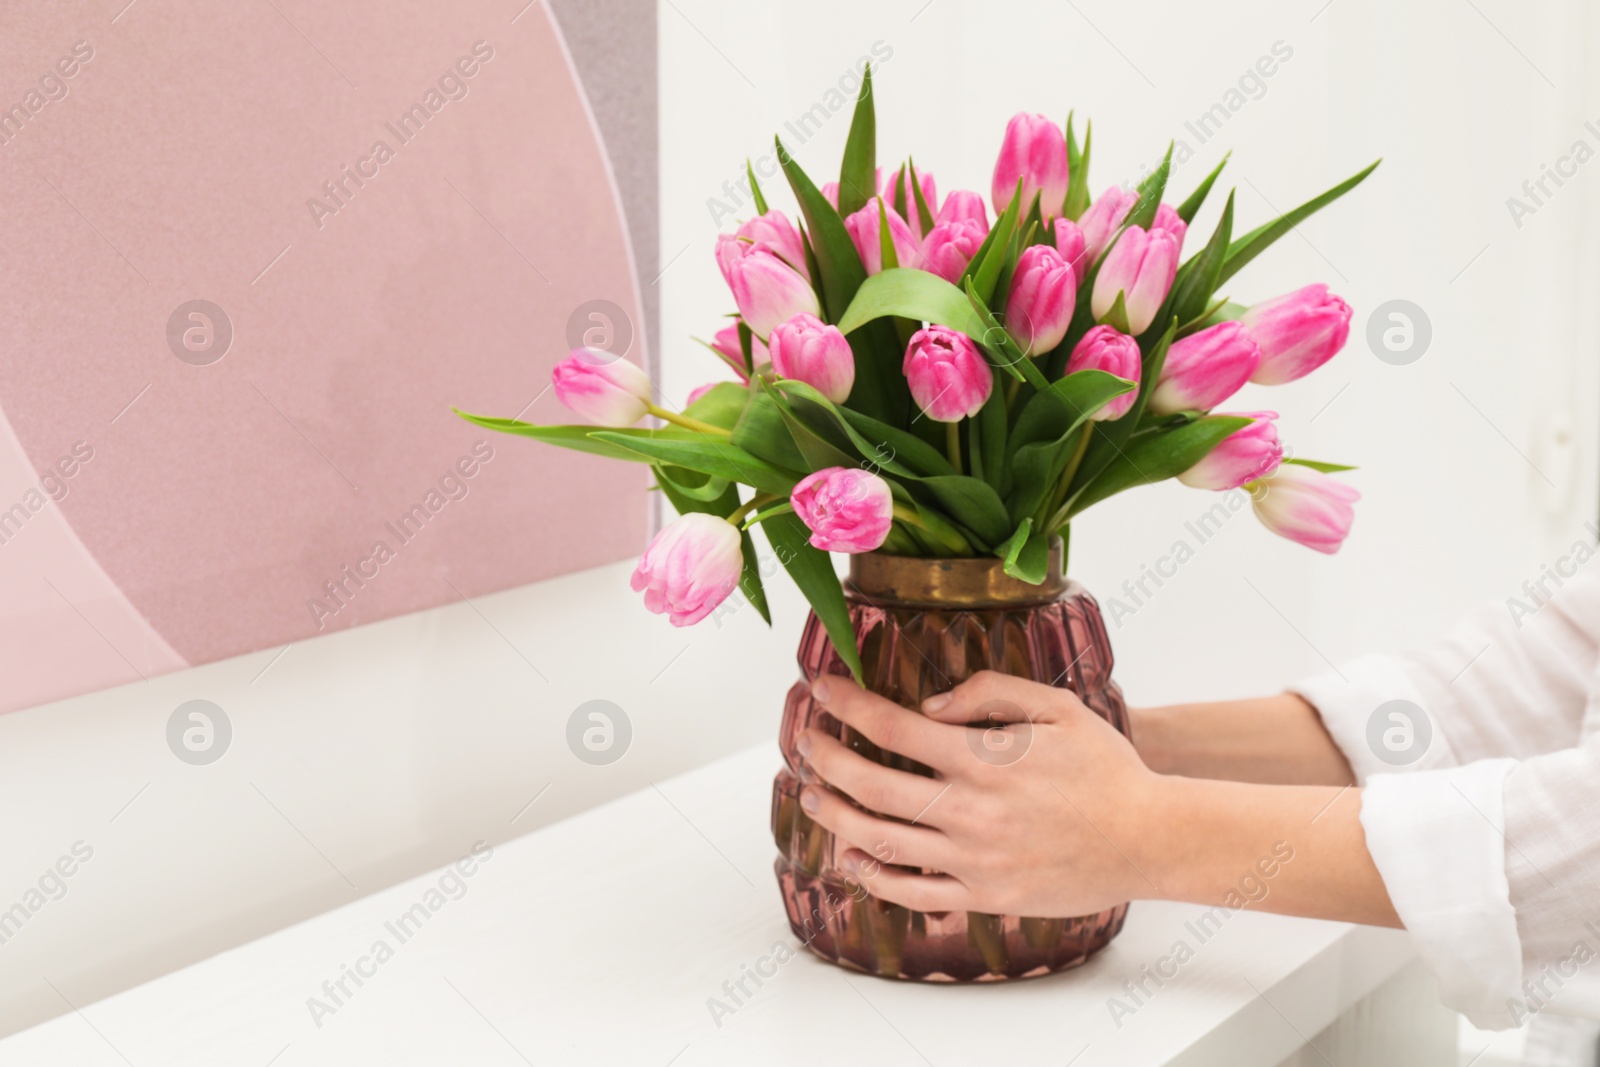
{"type": "Point", "coordinates": [755, 189]}
{"type": "Point", "coordinates": [1157, 456]}
{"type": "Point", "coordinates": [721, 405]}
{"type": "Point", "coordinates": [1047, 432]}
{"type": "Point", "coordinates": [1257, 240]}
{"type": "Point", "coordinates": [1150, 192]}
{"type": "Point", "coordinates": [709, 455]}
{"type": "Point", "coordinates": [924, 216]}
{"type": "Point", "coordinates": [1077, 171]}
{"type": "Point", "coordinates": [912, 294]}
{"type": "Point", "coordinates": [1318, 465]}
{"type": "Point", "coordinates": [858, 173]}
{"type": "Point", "coordinates": [1197, 280]}
{"type": "Point", "coordinates": [580, 438]}
{"type": "Point", "coordinates": [812, 571]}
{"type": "Point", "coordinates": [1026, 553]}
{"type": "Point", "coordinates": [1191, 207]}
{"type": "Point", "coordinates": [879, 445]}
{"type": "Point", "coordinates": [817, 452]}
{"type": "Point", "coordinates": [983, 272]}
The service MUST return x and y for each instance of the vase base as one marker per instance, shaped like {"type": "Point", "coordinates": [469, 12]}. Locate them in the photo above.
{"type": "Point", "coordinates": [839, 923]}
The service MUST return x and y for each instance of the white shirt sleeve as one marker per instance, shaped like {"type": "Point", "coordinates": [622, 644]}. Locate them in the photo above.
{"type": "Point", "coordinates": [1481, 799]}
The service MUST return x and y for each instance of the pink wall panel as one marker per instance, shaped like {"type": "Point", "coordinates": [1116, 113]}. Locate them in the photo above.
{"type": "Point", "coordinates": [181, 162]}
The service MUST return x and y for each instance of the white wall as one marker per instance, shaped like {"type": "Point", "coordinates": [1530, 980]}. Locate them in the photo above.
{"type": "Point", "coordinates": [375, 754]}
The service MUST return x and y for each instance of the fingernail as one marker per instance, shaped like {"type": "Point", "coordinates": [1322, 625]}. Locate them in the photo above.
{"type": "Point", "coordinates": [809, 801]}
{"type": "Point", "coordinates": [803, 746]}
{"type": "Point", "coordinates": [934, 703]}
{"type": "Point", "coordinates": [819, 689]}
{"type": "Point", "coordinates": [852, 865]}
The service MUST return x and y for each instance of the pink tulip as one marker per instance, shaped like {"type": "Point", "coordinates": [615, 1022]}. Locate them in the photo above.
{"type": "Point", "coordinates": [767, 290]}
{"type": "Point", "coordinates": [699, 391]}
{"type": "Point", "coordinates": [1103, 218]}
{"type": "Point", "coordinates": [1043, 293]}
{"type": "Point", "coordinates": [1298, 332]}
{"type": "Point", "coordinates": [1167, 219]}
{"type": "Point", "coordinates": [1141, 266]}
{"type": "Point", "coordinates": [949, 378]}
{"type": "Point", "coordinates": [1034, 150]}
{"type": "Point", "coordinates": [1306, 506]}
{"type": "Point", "coordinates": [1243, 456]}
{"type": "Point", "coordinates": [1204, 369]}
{"type": "Point", "coordinates": [689, 568]}
{"type": "Point", "coordinates": [726, 345]}
{"type": "Point", "coordinates": [863, 227]}
{"type": "Point", "coordinates": [774, 232]}
{"type": "Point", "coordinates": [601, 387]}
{"type": "Point", "coordinates": [847, 509]}
{"type": "Point", "coordinates": [949, 247]}
{"type": "Point", "coordinates": [963, 204]}
{"type": "Point", "coordinates": [1073, 248]}
{"type": "Point", "coordinates": [808, 350]}
{"type": "Point", "coordinates": [830, 193]}
{"type": "Point", "coordinates": [892, 178]}
{"type": "Point", "coordinates": [1103, 348]}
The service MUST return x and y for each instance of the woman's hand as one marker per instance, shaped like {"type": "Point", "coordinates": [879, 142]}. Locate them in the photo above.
{"type": "Point", "coordinates": [1050, 812]}
{"type": "Point", "coordinates": [1045, 812]}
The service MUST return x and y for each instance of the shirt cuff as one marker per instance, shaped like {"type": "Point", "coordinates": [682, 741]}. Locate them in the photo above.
{"type": "Point", "coordinates": [1436, 838]}
{"type": "Point", "coordinates": [1377, 716]}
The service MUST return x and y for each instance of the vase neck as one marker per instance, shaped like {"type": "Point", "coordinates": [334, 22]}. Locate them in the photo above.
{"type": "Point", "coordinates": [951, 583]}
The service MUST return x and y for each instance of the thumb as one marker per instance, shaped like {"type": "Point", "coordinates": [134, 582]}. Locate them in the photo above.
{"type": "Point", "coordinates": [990, 696]}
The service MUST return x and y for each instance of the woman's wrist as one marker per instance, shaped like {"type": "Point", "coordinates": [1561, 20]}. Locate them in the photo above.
{"type": "Point", "coordinates": [1276, 739]}
{"type": "Point", "coordinates": [1287, 849]}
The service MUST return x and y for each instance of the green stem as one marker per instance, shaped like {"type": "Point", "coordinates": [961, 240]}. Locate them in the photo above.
{"type": "Point", "coordinates": [1011, 392]}
{"type": "Point", "coordinates": [936, 528]}
{"type": "Point", "coordinates": [1058, 494]}
{"type": "Point", "coordinates": [751, 505]}
{"type": "Point", "coordinates": [685, 421]}
{"type": "Point", "coordinates": [952, 444]}
{"type": "Point", "coordinates": [899, 542]}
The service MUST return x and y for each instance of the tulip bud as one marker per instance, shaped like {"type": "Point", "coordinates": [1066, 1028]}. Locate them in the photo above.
{"type": "Point", "coordinates": [1305, 506]}
{"type": "Point", "coordinates": [1167, 219]}
{"type": "Point", "coordinates": [774, 232]}
{"type": "Point", "coordinates": [689, 568]}
{"type": "Point", "coordinates": [847, 509]}
{"type": "Point", "coordinates": [1141, 266]}
{"type": "Point", "coordinates": [1298, 332]}
{"type": "Point", "coordinates": [767, 290]}
{"type": "Point", "coordinates": [1204, 369]}
{"type": "Point", "coordinates": [1043, 293]}
{"type": "Point", "coordinates": [950, 246]}
{"type": "Point", "coordinates": [601, 387]}
{"type": "Point", "coordinates": [863, 227]}
{"type": "Point", "coordinates": [1101, 220]}
{"type": "Point", "coordinates": [1103, 348]}
{"type": "Point", "coordinates": [1243, 456]}
{"type": "Point", "coordinates": [1034, 150]}
{"type": "Point", "coordinates": [1070, 243]}
{"type": "Point", "coordinates": [891, 180]}
{"type": "Point", "coordinates": [949, 378]}
{"type": "Point", "coordinates": [726, 345]}
{"type": "Point", "coordinates": [963, 204]}
{"type": "Point", "coordinates": [808, 350]}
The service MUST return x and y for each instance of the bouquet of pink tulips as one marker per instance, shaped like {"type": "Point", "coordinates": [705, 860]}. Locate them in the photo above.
{"type": "Point", "coordinates": [916, 380]}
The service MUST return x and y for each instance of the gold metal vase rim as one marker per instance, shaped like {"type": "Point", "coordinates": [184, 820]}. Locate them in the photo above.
{"type": "Point", "coordinates": [952, 582]}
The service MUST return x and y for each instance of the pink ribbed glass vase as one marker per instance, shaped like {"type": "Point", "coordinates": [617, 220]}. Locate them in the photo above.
{"type": "Point", "coordinates": [924, 625]}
